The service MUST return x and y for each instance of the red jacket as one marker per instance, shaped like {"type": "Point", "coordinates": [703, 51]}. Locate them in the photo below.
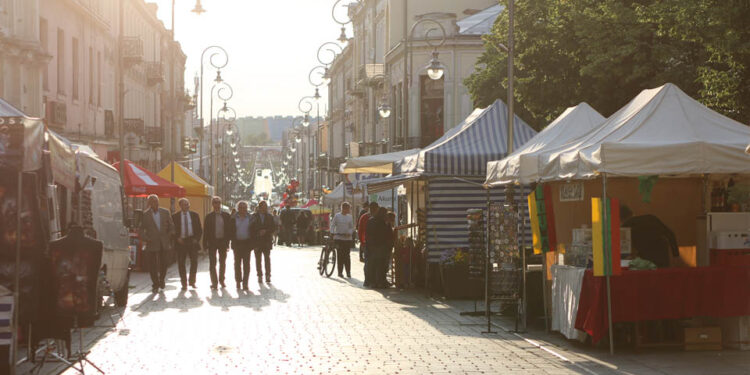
{"type": "Point", "coordinates": [362, 227]}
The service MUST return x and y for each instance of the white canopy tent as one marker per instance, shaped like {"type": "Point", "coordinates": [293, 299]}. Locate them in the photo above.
{"type": "Point", "coordinates": [380, 163]}
{"type": "Point", "coordinates": [339, 194]}
{"type": "Point", "coordinates": [523, 164]}
{"type": "Point", "coordinates": [662, 131]}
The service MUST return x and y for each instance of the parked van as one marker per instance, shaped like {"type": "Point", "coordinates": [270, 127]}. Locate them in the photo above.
{"type": "Point", "coordinates": [104, 188]}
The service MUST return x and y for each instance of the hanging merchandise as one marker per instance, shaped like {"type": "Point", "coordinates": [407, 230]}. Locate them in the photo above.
{"type": "Point", "coordinates": [477, 247]}
{"type": "Point", "coordinates": [541, 214]}
{"type": "Point", "coordinates": [645, 186]}
{"type": "Point", "coordinates": [504, 252]}
{"type": "Point", "coordinates": [606, 236]}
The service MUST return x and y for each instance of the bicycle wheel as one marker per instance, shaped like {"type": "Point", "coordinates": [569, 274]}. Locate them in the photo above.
{"type": "Point", "coordinates": [322, 261]}
{"type": "Point", "coordinates": [330, 262]}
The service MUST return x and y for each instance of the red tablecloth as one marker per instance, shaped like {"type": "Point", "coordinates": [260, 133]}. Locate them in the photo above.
{"type": "Point", "coordinates": [669, 293]}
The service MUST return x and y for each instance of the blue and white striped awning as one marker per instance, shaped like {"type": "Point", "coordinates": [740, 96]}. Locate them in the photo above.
{"type": "Point", "coordinates": [466, 149]}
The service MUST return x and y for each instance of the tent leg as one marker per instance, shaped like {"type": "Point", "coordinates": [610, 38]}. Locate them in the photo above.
{"type": "Point", "coordinates": [17, 277]}
{"type": "Point", "coordinates": [523, 314]}
{"type": "Point", "coordinates": [608, 261]}
{"type": "Point", "coordinates": [487, 266]}
{"type": "Point", "coordinates": [544, 292]}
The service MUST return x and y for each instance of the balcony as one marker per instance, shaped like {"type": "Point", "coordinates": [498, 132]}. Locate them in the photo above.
{"type": "Point", "coordinates": [371, 74]}
{"type": "Point", "coordinates": [154, 73]}
{"type": "Point", "coordinates": [132, 50]}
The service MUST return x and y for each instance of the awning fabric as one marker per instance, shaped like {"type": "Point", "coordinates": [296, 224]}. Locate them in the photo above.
{"type": "Point", "coordinates": [63, 160]}
{"type": "Point", "coordinates": [522, 165]}
{"type": "Point", "coordinates": [376, 185]}
{"type": "Point", "coordinates": [465, 149]}
{"type": "Point", "coordinates": [339, 195]}
{"type": "Point", "coordinates": [310, 203]}
{"type": "Point", "coordinates": [24, 137]}
{"type": "Point", "coordinates": [140, 182]}
{"type": "Point", "coordinates": [380, 163]}
{"type": "Point", "coordinates": [193, 184]}
{"type": "Point", "coordinates": [662, 131]}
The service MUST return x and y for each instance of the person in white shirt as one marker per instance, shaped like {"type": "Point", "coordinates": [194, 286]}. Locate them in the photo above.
{"type": "Point", "coordinates": [342, 228]}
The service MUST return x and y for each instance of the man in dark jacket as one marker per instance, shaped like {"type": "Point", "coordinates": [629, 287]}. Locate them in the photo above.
{"type": "Point", "coordinates": [218, 232]}
{"type": "Point", "coordinates": [187, 235]}
{"type": "Point", "coordinates": [287, 225]}
{"type": "Point", "coordinates": [378, 241]}
{"type": "Point", "coordinates": [262, 228]}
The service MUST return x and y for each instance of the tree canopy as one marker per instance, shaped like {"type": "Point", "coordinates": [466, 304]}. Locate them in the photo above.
{"type": "Point", "coordinates": [604, 52]}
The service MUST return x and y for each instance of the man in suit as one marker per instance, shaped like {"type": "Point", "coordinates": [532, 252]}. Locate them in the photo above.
{"type": "Point", "coordinates": [262, 228]}
{"type": "Point", "coordinates": [216, 236]}
{"type": "Point", "coordinates": [241, 245]}
{"type": "Point", "coordinates": [156, 235]}
{"type": "Point", "coordinates": [187, 241]}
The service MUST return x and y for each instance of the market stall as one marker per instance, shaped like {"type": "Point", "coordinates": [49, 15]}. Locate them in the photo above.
{"type": "Point", "coordinates": [445, 178]}
{"type": "Point", "coordinates": [197, 191]}
{"type": "Point", "coordinates": [140, 182]}
{"type": "Point", "coordinates": [657, 158]}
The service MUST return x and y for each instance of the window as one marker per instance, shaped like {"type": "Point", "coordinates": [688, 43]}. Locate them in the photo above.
{"type": "Point", "coordinates": [99, 78]}
{"type": "Point", "coordinates": [60, 61]}
{"type": "Point", "coordinates": [431, 109]}
{"type": "Point", "coordinates": [91, 75]}
{"type": "Point", "coordinates": [76, 67]}
{"type": "Point", "coordinates": [43, 40]}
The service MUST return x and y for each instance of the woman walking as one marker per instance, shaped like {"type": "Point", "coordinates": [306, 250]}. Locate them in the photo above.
{"type": "Point", "coordinates": [342, 228]}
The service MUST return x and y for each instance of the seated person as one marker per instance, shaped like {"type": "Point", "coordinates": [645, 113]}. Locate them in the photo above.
{"type": "Point", "coordinates": [650, 238]}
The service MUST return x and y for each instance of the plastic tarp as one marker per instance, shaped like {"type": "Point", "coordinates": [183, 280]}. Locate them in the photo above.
{"type": "Point", "coordinates": [662, 131]}
{"type": "Point", "coordinates": [21, 139]}
{"type": "Point", "coordinates": [465, 149]}
{"type": "Point", "coordinates": [480, 23]}
{"type": "Point", "coordinates": [140, 182]}
{"type": "Point", "coordinates": [63, 160]}
{"type": "Point", "coordinates": [380, 163]}
{"type": "Point", "coordinates": [522, 165]}
{"type": "Point", "coordinates": [193, 184]}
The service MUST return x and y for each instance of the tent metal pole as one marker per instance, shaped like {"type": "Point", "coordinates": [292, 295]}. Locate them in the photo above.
{"type": "Point", "coordinates": [17, 276]}
{"type": "Point", "coordinates": [608, 261]}
{"type": "Point", "coordinates": [523, 272]}
{"type": "Point", "coordinates": [487, 265]}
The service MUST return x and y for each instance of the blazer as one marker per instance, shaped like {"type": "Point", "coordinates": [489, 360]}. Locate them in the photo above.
{"type": "Point", "coordinates": [263, 242]}
{"type": "Point", "coordinates": [195, 220]}
{"type": "Point", "coordinates": [209, 233]}
{"type": "Point", "coordinates": [156, 239]}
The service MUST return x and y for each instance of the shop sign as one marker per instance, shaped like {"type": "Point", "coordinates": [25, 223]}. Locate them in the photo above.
{"type": "Point", "coordinates": [571, 192]}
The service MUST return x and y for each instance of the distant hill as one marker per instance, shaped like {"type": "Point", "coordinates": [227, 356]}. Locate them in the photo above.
{"type": "Point", "coordinates": [272, 126]}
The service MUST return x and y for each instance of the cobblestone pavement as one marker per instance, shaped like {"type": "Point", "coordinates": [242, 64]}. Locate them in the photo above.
{"type": "Point", "coordinates": [306, 324]}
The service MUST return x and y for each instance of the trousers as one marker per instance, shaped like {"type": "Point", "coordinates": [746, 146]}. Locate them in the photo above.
{"type": "Point", "coordinates": [343, 249]}
{"type": "Point", "coordinates": [241, 250]}
{"type": "Point", "coordinates": [183, 251]}
{"type": "Point", "coordinates": [215, 249]}
{"type": "Point", "coordinates": [157, 267]}
{"type": "Point", "coordinates": [266, 254]}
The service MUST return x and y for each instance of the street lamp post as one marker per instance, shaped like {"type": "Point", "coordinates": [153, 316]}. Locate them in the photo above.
{"type": "Point", "coordinates": [231, 133]}
{"type": "Point", "coordinates": [225, 97]}
{"type": "Point", "coordinates": [306, 124]}
{"type": "Point", "coordinates": [327, 53]}
{"type": "Point", "coordinates": [342, 37]}
{"type": "Point", "coordinates": [435, 69]}
{"type": "Point", "coordinates": [173, 102]}
{"type": "Point", "coordinates": [217, 51]}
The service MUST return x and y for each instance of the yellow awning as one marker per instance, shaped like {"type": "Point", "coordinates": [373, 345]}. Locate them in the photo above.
{"type": "Point", "coordinates": [194, 185]}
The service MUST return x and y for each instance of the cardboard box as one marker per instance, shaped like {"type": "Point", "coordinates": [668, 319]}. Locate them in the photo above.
{"type": "Point", "coordinates": [702, 338]}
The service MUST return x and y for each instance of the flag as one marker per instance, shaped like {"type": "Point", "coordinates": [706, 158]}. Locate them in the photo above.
{"type": "Point", "coordinates": [542, 217]}
{"type": "Point", "coordinates": [605, 233]}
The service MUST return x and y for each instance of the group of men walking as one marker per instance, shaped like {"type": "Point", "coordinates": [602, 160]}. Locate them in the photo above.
{"type": "Point", "coordinates": [246, 232]}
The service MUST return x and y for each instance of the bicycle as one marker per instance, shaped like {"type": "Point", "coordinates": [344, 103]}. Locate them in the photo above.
{"type": "Point", "coordinates": [327, 262]}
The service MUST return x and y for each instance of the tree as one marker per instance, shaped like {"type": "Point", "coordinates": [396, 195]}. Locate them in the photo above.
{"type": "Point", "coordinates": [604, 52]}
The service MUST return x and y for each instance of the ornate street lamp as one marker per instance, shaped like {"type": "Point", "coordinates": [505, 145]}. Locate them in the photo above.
{"type": "Point", "coordinates": [342, 37]}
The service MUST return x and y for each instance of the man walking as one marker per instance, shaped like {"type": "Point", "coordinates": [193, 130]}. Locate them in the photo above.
{"type": "Point", "coordinates": [362, 232]}
{"type": "Point", "coordinates": [287, 226]}
{"type": "Point", "coordinates": [156, 234]}
{"type": "Point", "coordinates": [216, 238]}
{"type": "Point", "coordinates": [187, 241]}
{"type": "Point", "coordinates": [262, 228]}
{"type": "Point", "coordinates": [241, 245]}
{"type": "Point", "coordinates": [342, 228]}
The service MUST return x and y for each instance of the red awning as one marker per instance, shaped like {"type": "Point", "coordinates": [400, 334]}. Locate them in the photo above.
{"type": "Point", "coordinates": [140, 182]}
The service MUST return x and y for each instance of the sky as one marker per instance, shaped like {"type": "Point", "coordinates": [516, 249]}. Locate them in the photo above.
{"type": "Point", "coordinates": [272, 46]}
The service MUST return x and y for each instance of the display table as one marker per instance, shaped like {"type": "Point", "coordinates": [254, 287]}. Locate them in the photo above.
{"type": "Point", "coordinates": [566, 289]}
{"type": "Point", "coordinates": [669, 293]}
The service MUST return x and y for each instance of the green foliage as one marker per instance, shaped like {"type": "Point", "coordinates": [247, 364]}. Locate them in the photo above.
{"type": "Point", "coordinates": [257, 139]}
{"type": "Point", "coordinates": [605, 52]}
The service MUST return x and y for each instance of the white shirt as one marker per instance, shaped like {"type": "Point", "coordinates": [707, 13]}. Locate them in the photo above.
{"type": "Point", "coordinates": [157, 219]}
{"type": "Point", "coordinates": [187, 225]}
{"type": "Point", "coordinates": [342, 226]}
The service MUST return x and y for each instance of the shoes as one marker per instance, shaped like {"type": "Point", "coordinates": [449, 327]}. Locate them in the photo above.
{"type": "Point", "coordinates": [184, 288]}
{"type": "Point", "coordinates": [223, 285]}
{"type": "Point", "coordinates": [268, 280]}
{"type": "Point", "coordinates": [154, 290]}
{"type": "Point", "coordinates": [163, 285]}
{"type": "Point", "coordinates": [260, 279]}
{"type": "Point", "coordinates": [348, 276]}
{"type": "Point", "coordinates": [193, 286]}
{"type": "Point", "coordinates": [239, 286]}
{"type": "Point", "coordinates": [341, 275]}
{"type": "Point", "coordinates": [213, 287]}
{"type": "Point", "coordinates": [245, 288]}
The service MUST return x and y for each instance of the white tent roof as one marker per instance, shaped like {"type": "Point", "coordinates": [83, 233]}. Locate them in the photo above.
{"type": "Point", "coordinates": [337, 196]}
{"type": "Point", "coordinates": [523, 164]}
{"type": "Point", "coordinates": [380, 163]}
{"type": "Point", "coordinates": [481, 22]}
{"type": "Point", "coordinates": [662, 131]}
